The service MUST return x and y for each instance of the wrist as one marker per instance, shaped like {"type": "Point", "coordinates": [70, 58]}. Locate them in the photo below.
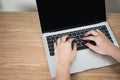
{"type": "Point", "coordinates": [114, 51]}
{"type": "Point", "coordinates": [62, 72]}
{"type": "Point", "coordinates": [62, 65]}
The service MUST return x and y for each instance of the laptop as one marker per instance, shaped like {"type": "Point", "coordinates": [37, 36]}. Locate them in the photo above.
{"type": "Point", "coordinates": [74, 18]}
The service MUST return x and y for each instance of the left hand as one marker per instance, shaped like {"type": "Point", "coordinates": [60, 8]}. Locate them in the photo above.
{"type": "Point", "coordinates": [64, 53]}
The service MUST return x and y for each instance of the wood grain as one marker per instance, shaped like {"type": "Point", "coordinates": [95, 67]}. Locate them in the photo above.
{"type": "Point", "coordinates": [22, 55]}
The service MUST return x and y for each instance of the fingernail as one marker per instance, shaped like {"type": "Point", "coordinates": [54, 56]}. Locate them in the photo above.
{"type": "Point", "coordinates": [86, 44]}
{"type": "Point", "coordinates": [75, 44]}
{"type": "Point", "coordinates": [73, 38]}
{"type": "Point", "coordinates": [83, 38]}
{"type": "Point", "coordinates": [66, 35]}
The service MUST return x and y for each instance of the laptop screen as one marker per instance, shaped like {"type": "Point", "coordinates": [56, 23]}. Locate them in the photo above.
{"type": "Point", "coordinates": [64, 14]}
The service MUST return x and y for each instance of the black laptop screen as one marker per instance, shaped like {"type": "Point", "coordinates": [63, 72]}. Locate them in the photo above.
{"type": "Point", "coordinates": [64, 14]}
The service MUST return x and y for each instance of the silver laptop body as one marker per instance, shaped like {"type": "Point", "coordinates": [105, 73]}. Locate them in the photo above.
{"type": "Point", "coordinates": [85, 59]}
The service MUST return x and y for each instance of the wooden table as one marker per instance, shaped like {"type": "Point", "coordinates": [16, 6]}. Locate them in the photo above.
{"type": "Point", "coordinates": [22, 55]}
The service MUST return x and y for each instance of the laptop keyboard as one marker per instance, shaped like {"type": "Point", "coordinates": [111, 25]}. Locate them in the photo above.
{"type": "Point", "coordinates": [77, 35]}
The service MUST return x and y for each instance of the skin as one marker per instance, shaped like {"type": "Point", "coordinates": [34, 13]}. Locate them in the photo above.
{"type": "Point", "coordinates": [63, 47]}
{"type": "Point", "coordinates": [65, 54]}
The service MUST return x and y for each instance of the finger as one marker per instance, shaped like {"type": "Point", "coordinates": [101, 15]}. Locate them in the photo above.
{"type": "Point", "coordinates": [98, 30]}
{"type": "Point", "coordinates": [64, 38]}
{"type": "Point", "coordinates": [92, 32]}
{"type": "Point", "coordinates": [70, 40]}
{"type": "Point", "coordinates": [94, 48]}
{"type": "Point", "coordinates": [55, 45]}
{"type": "Point", "coordinates": [74, 48]}
{"type": "Point", "coordinates": [58, 41]}
{"type": "Point", "coordinates": [92, 38]}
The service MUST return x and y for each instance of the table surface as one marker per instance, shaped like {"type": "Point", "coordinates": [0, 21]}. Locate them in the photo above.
{"type": "Point", "coordinates": [22, 55]}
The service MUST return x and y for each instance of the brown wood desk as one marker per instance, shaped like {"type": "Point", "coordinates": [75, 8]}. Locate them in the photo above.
{"type": "Point", "coordinates": [22, 55]}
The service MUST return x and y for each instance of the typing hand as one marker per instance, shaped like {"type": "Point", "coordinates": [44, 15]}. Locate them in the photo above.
{"type": "Point", "coordinates": [103, 45]}
{"type": "Point", "coordinates": [64, 53]}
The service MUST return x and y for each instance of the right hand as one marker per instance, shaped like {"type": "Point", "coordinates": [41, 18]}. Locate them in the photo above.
{"type": "Point", "coordinates": [103, 44]}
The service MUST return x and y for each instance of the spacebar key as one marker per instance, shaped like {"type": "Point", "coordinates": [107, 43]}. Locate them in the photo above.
{"type": "Point", "coordinates": [83, 47]}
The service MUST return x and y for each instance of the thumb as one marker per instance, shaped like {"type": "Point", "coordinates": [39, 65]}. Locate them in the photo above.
{"type": "Point", "coordinates": [94, 48]}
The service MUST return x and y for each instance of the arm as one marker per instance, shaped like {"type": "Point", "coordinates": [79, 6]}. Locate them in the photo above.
{"type": "Point", "coordinates": [64, 55]}
{"type": "Point", "coordinates": [62, 72]}
{"type": "Point", "coordinates": [103, 44]}
{"type": "Point", "coordinates": [115, 53]}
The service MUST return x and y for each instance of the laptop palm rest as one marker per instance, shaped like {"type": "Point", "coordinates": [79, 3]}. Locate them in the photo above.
{"type": "Point", "coordinates": [87, 59]}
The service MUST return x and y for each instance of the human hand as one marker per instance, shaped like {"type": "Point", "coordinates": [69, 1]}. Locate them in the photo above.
{"type": "Point", "coordinates": [103, 44]}
{"type": "Point", "coordinates": [64, 53]}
